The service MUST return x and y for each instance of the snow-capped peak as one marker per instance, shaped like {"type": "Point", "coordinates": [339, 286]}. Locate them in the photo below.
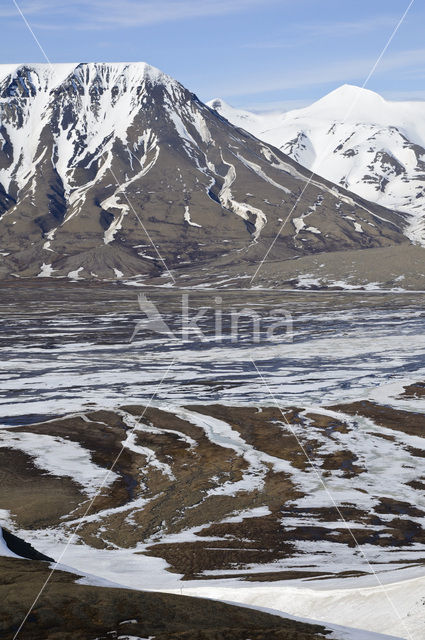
{"type": "Point", "coordinates": [347, 102]}
{"type": "Point", "coordinates": [46, 77]}
{"type": "Point", "coordinates": [357, 139]}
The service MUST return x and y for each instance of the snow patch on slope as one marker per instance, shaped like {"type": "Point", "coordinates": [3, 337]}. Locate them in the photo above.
{"type": "Point", "coordinates": [188, 218]}
{"type": "Point", "coordinates": [59, 457]}
{"type": "Point", "coordinates": [242, 209]}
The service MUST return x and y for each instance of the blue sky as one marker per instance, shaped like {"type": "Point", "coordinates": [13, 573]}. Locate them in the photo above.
{"type": "Point", "coordinates": [258, 54]}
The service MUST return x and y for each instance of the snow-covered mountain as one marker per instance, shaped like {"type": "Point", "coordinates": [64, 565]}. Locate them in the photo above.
{"type": "Point", "coordinates": [100, 161]}
{"type": "Point", "coordinates": [356, 139]}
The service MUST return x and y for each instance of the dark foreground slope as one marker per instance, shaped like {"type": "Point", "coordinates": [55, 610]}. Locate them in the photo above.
{"type": "Point", "coordinates": [70, 611]}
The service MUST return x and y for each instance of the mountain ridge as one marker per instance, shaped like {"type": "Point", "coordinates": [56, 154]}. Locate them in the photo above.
{"type": "Point", "coordinates": [111, 170]}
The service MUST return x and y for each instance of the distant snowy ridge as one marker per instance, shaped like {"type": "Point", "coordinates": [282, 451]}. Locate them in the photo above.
{"type": "Point", "coordinates": [354, 138]}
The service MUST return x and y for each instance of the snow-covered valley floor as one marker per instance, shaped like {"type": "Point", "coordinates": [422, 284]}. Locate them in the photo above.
{"type": "Point", "coordinates": [72, 351]}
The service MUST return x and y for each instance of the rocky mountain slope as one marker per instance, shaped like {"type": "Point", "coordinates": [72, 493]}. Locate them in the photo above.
{"type": "Point", "coordinates": [356, 139]}
{"type": "Point", "coordinates": [99, 162]}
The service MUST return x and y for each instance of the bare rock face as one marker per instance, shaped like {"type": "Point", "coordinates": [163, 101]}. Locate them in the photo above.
{"type": "Point", "coordinates": [116, 170]}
